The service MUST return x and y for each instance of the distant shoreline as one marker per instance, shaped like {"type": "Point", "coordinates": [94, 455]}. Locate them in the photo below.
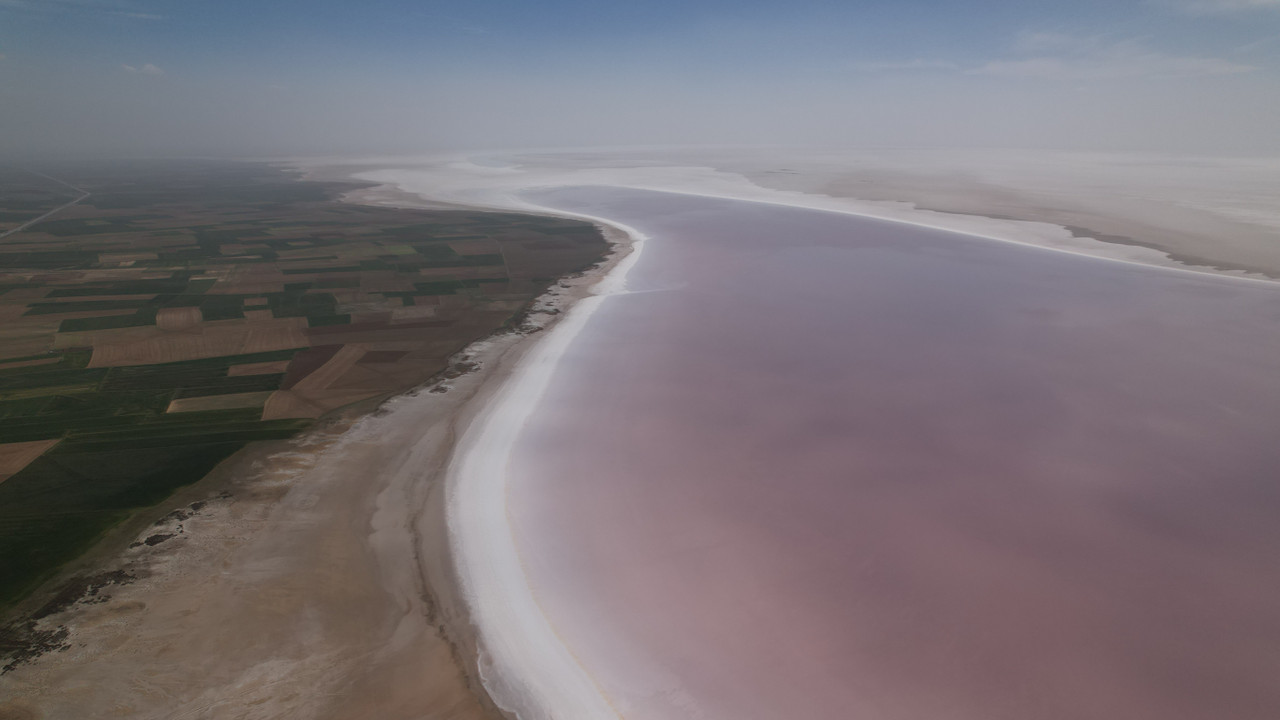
{"type": "Point", "coordinates": [1071, 219]}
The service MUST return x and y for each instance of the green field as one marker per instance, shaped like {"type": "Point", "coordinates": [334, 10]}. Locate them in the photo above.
{"type": "Point", "coordinates": [245, 243]}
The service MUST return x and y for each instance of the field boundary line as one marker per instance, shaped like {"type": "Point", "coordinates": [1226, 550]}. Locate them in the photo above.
{"type": "Point", "coordinates": [52, 212]}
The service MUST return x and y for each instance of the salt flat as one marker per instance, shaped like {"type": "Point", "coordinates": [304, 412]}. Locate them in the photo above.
{"type": "Point", "coordinates": [815, 464]}
{"type": "Point", "coordinates": [553, 515]}
{"type": "Point", "coordinates": [1217, 215]}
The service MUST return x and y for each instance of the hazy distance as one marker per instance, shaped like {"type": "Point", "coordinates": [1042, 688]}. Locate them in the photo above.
{"type": "Point", "coordinates": [163, 77]}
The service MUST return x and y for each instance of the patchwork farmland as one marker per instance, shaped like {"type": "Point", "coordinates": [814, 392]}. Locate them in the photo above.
{"type": "Point", "coordinates": [180, 311]}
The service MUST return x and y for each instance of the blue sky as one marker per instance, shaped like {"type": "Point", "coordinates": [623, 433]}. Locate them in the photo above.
{"type": "Point", "coordinates": [236, 77]}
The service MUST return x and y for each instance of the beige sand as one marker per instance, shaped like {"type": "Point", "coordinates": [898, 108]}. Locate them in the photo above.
{"type": "Point", "coordinates": [230, 401]}
{"type": "Point", "coordinates": [302, 595]}
{"type": "Point", "coordinates": [298, 404]}
{"type": "Point", "coordinates": [321, 587]}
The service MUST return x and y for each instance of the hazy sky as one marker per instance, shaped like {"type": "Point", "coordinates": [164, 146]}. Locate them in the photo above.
{"type": "Point", "coordinates": [241, 77]}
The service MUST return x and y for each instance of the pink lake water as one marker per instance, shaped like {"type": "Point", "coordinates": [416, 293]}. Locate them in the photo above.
{"type": "Point", "coordinates": [822, 466]}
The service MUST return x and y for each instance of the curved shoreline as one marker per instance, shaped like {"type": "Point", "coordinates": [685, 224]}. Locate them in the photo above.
{"type": "Point", "coordinates": [313, 578]}
{"type": "Point", "coordinates": [491, 611]}
{"type": "Point", "coordinates": [524, 665]}
{"type": "Point", "coordinates": [486, 604]}
{"type": "Point", "coordinates": [702, 550]}
{"type": "Point", "coordinates": [498, 188]}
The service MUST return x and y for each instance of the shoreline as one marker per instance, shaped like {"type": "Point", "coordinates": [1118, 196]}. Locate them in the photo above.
{"type": "Point", "coordinates": [654, 578]}
{"type": "Point", "coordinates": [442, 589]}
{"type": "Point", "coordinates": [523, 663]}
{"type": "Point", "coordinates": [511, 664]}
{"type": "Point", "coordinates": [490, 188]}
{"type": "Point", "coordinates": [519, 658]}
{"type": "Point", "coordinates": [289, 587]}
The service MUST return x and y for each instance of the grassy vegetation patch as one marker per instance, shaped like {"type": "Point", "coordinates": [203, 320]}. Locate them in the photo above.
{"type": "Point", "coordinates": [179, 282]}
{"type": "Point", "coordinates": [108, 322]}
{"type": "Point", "coordinates": [226, 386]}
{"type": "Point", "coordinates": [66, 499]}
{"type": "Point", "coordinates": [85, 227]}
{"type": "Point", "coordinates": [212, 236]}
{"type": "Point", "coordinates": [36, 377]}
{"type": "Point", "coordinates": [49, 260]}
{"type": "Point", "coordinates": [54, 308]}
{"type": "Point", "coordinates": [120, 450]}
{"type": "Point", "coordinates": [438, 287]}
{"type": "Point", "coordinates": [222, 307]}
{"type": "Point", "coordinates": [316, 271]}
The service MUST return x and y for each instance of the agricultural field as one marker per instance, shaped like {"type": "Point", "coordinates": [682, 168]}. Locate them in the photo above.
{"type": "Point", "coordinates": [182, 310]}
{"type": "Point", "coordinates": [26, 195]}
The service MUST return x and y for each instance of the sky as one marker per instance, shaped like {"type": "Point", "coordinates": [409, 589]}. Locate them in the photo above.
{"type": "Point", "coordinates": [141, 78]}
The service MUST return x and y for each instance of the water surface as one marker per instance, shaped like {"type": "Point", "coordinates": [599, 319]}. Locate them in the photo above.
{"type": "Point", "coordinates": [818, 465]}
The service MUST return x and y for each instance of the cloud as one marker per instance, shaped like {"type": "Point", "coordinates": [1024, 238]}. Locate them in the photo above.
{"type": "Point", "coordinates": [917, 64]}
{"type": "Point", "coordinates": [1050, 55]}
{"type": "Point", "coordinates": [147, 69]}
{"type": "Point", "coordinates": [108, 7]}
{"type": "Point", "coordinates": [1257, 45]}
{"type": "Point", "coordinates": [1092, 58]}
{"type": "Point", "coordinates": [1051, 42]}
{"type": "Point", "coordinates": [1216, 7]}
{"type": "Point", "coordinates": [48, 5]}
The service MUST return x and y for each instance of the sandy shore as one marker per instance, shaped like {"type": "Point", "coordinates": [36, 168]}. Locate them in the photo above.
{"type": "Point", "coordinates": [311, 583]}
{"type": "Point", "coordinates": [308, 578]}
{"type": "Point", "coordinates": [525, 665]}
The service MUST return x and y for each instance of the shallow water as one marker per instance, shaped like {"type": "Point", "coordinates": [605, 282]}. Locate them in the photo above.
{"type": "Point", "coordinates": [821, 465]}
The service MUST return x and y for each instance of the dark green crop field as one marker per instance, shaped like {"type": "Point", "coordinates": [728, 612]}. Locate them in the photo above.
{"type": "Point", "coordinates": [182, 310]}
